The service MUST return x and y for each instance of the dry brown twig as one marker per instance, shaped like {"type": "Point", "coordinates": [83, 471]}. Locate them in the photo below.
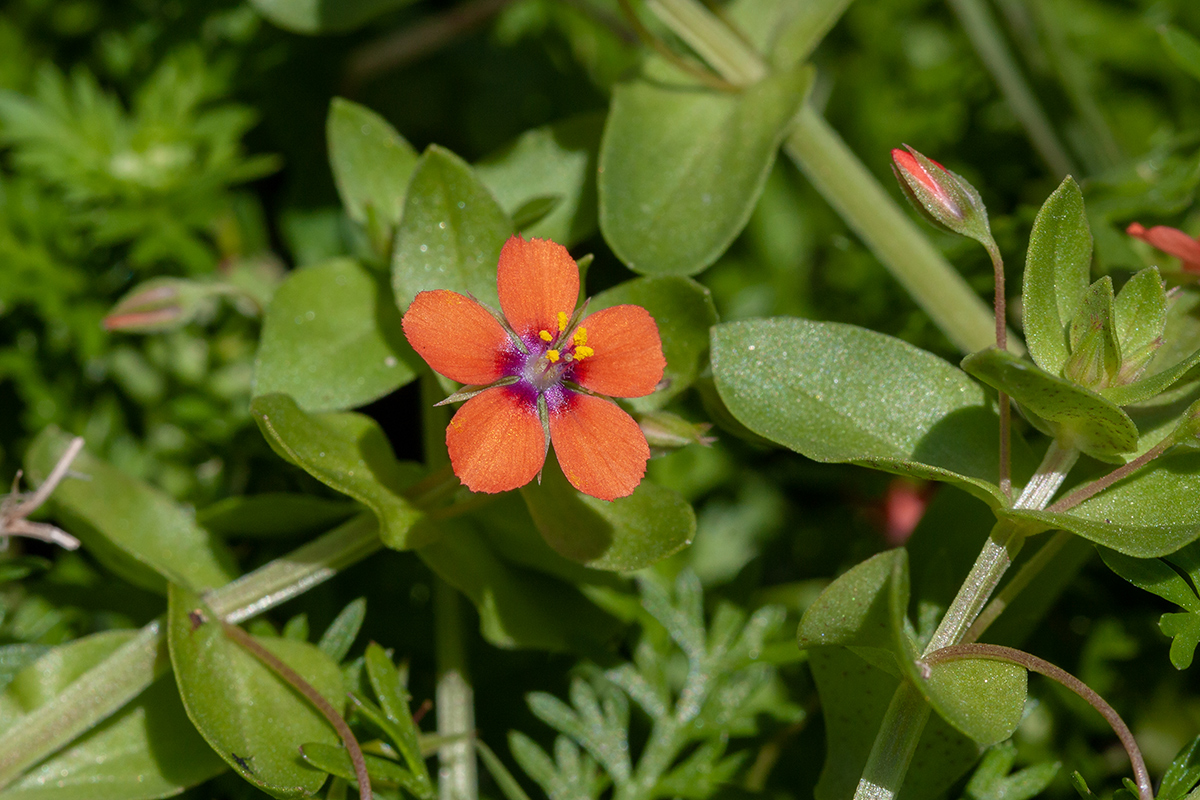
{"type": "Point", "coordinates": [15, 508]}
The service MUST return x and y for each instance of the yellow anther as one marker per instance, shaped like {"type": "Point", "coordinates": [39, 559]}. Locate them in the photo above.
{"type": "Point", "coordinates": [562, 321]}
{"type": "Point", "coordinates": [583, 352]}
{"type": "Point", "coordinates": [552, 355]}
{"type": "Point", "coordinates": [546, 336]}
{"type": "Point", "coordinates": [580, 337]}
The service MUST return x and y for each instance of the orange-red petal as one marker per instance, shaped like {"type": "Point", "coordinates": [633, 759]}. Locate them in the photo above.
{"type": "Point", "coordinates": [456, 336]}
{"type": "Point", "coordinates": [600, 448]}
{"type": "Point", "coordinates": [496, 441]}
{"type": "Point", "coordinates": [536, 279]}
{"type": "Point", "coordinates": [628, 359]}
{"type": "Point", "coordinates": [1170, 240]}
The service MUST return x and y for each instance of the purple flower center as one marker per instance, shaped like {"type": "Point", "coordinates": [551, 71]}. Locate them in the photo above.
{"type": "Point", "coordinates": [539, 372]}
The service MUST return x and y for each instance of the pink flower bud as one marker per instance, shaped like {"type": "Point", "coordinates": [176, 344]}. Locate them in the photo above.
{"type": "Point", "coordinates": [945, 199]}
{"type": "Point", "coordinates": [159, 304]}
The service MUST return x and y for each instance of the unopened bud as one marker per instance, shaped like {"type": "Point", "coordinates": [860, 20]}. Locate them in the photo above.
{"type": "Point", "coordinates": [160, 304]}
{"type": "Point", "coordinates": [944, 198]}
{"type": "Point", "coordinates": [1171, 241]}
{"type": "Point", "coordinates": [665, 432]}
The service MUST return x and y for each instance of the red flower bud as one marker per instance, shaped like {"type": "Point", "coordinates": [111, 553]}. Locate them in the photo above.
{"type": "Point", "coordinates": [160, 304]}
{"type": "Point", "coordinates": [945, 199]}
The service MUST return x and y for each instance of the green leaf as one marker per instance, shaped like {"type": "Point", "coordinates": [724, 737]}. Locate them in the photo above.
{"type": "Point", "coordinates": [1057, 265]}
{"type": "Point", "coordinates": [1183, 49]}
{"type": "Point", "coordinates": [350, 453]}
{"type": "Point", "coordinates": [253, 719]}
{"type": "Point", "coordinates": [1075, 416]}
{"type": "Point", "coordinates": [323, 16]}
{"type": "Point", "coordinates": [684, 312]}
{"type": "Point", "coordinates": [1095, 353]}
{"type": "Point", "coordinates": [274, 514]}
{"type": "Point", "coordinates": [556, 161]}
{"type": "Point", "coordinates": [1183, 773]}
{"type": "Point", "coordinates": [338, 638]}
{"type": "Point", "coordinates": [854, 697]}
{"type": "Point", "coordinates": [1132, 516]}
{"type": "Point", "coordinates": [332, 340]}
{"type": "Point", "coordinates": [838, 393]}
{"type": "Point", "coordinates": [371, 165]}
{"type": "Point", "coordinates": [1140, 313]}
{"type": "Point", "coordinates": [510, 530]}
{"type": "Point", "coordinates": [135, 530]}
{"type": "Point", "coordinates": [148, 749]}
{"type": "Point", "coordinates": [1158, 577]}
{"type": "Point", "coordinates": [865, 610]}
{"type": "Point", "coordinates": [393, 699]}
{"type": "Point", "coordinates": [681, 167]}
{"type": "Point", "coordinates": [625, 534]}
{"type": "Point", "coordinates": [517, 607]}
{"type": "Point", "coordinates": [991, 780]}
{"type": "Point", "coordinates": [451, 232]}
{"type": "Point", "coordinates": [336, 761]}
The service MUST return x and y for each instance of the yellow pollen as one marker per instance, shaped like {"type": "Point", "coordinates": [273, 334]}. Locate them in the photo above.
{"type": "Point", "coordinates": [552, 355]}
{"type": "Point", "coordinates": [580, 337]}
{"type": "Point", "coordinates": [545, 335]}
{"type": "Point", "coordinates": [583, 352]}
{"type": "Point", "coordinates": [562, 321]}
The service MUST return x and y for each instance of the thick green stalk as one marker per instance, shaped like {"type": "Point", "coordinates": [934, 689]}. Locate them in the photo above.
{"type": "Point", "coordinates": [457, 772]}
{"type": "Point", "coordinates": [890, 755]}
{"type": "Point", "coordinates": [980, 26]}
{"type": "Point", "coordinates": [892, 236]}
{"type": "Point", "coordinates": [849, 187]}
{"type": "Point", "coordinates": [104, 689]}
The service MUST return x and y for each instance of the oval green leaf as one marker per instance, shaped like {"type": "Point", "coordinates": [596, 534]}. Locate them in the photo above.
{"type": "Point", "coordinates": [1057, 266]}
{"type": "Point", "coordinates": [332, 339]}
{"type": "Point", "coordinates": [517, 607]}
{"type": "Point", "coordinates": [371, 165]}
{"type": "Point", "coordinates": [253, 719]}
{"type": "Point", "coordinates": [451, 232]}
{"type": "Point", "coordinates": [350, 453]}
{"type": "Point", "coordinates": [625, 534]}
{"type": "Point", "coordinates": [1075, 416]}
{"type": "Point", "coordinates": [134, 529]}
{"type": "Point", "coordinates": [681, 167]}
{"type": "Point", "coordinates": [557, 161]}
{"type": "Point", "coordinates": [683, 311]}
{"type": "Point", "coordinates": [839, 393]}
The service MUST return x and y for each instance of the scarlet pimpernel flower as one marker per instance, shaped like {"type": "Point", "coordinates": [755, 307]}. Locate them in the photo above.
{"type": "Point", "coordinates": [541, 372]}
{"type": "Point", "coordinates": [1170, 240]}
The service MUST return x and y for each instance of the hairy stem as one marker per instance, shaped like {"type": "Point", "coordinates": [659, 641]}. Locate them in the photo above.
{"type": "Point", "coordinates": [993, 652]}
{"type": "Point", "coordinates": [1023, 578]}
{"type": "Point", "coordinates": [989, 44]}
{"type": "Point", "coordinates": [457, 779]}
{"type": "Point", "coordinates": [294, 679]}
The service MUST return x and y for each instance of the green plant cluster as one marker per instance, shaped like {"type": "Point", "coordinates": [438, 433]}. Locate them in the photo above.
{"type": "Point", "coordinates": [214, 216]}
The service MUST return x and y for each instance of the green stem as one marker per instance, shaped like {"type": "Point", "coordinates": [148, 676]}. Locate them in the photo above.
{"type": "Point", "coordinates": [457, 778]}
{"type": "Point", "coordinates": [1088, 490]}
{"type": "Point", "coordinates": [890, 755]}
{"type": "Point", "coordinates": [1023, 578]}
{"type": "Point", "coordinates": [989, 44]}
{"type": "Point", "coordinates": [848, 186]}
